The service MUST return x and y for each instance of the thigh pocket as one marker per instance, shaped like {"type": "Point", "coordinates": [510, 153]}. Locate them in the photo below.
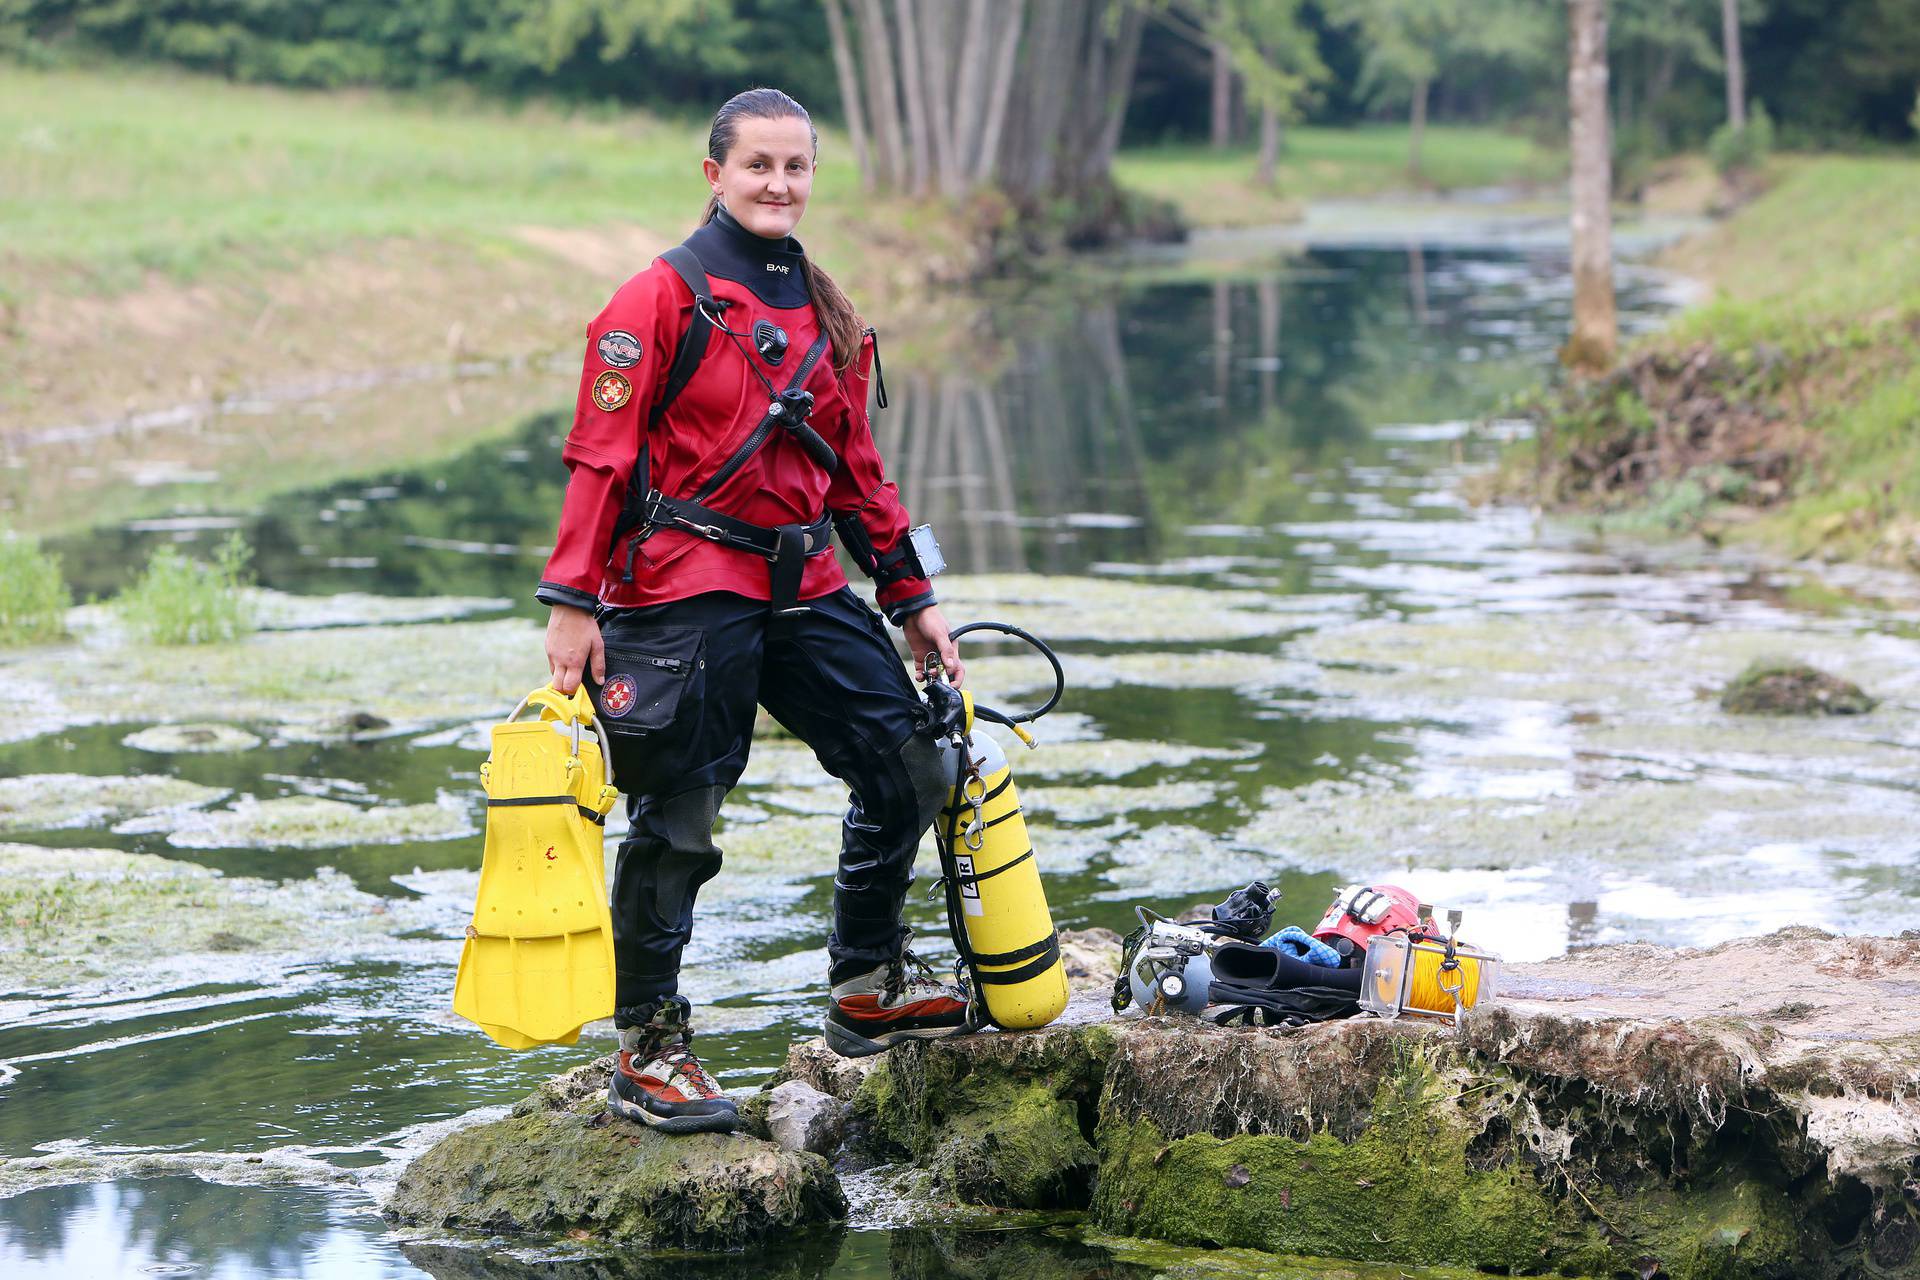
{"type": "Point", "coordinates": [647, 679]}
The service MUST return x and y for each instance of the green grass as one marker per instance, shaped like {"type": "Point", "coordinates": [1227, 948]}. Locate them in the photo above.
{"type": "Point", "coordinates": [1823, 269]}
{"type": "Point", "coordinates": [33, 596]}
{"type": "Point", "coordinates": [1827, 262]}
{"type": "Point", "coordinates": [1218, 187]}
{"type": "Point", "coordinates": [182, 601]}
{"type": "Point", "coordinates": [1835, 238]}
{"type": "Point", "coordinates": [112, 173]}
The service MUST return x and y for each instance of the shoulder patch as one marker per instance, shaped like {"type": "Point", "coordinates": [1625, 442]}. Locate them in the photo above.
{"type": "Point", "coordinates": [611, 390]}
{"type": "Point", "coordinates": [619, 349]}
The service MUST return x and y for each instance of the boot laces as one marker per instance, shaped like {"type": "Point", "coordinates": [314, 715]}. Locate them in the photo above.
{"type": "Point", "coordinates": [667, 1037]}
{"type": "Point", "coordinates": [910, 976]}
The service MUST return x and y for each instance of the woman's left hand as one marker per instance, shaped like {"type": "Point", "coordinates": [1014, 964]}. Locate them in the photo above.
{"type": "Point", "coordinates": [926, 631]}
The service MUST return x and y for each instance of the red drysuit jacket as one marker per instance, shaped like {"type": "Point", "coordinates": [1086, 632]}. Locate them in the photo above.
{"type": "Point", "coordinates": [630, 345]}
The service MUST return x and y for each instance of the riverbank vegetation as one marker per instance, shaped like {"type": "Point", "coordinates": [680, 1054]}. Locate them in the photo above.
{"type": "Point", "coordinates": [1783, 409]}
{"type": "Point", "coordinates": [183, 601]}
{"type": "Point", "coordinates": [33, 598]}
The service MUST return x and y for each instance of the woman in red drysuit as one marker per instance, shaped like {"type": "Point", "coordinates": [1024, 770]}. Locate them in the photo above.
{"type": "Point", "coordinates": [691, 579]}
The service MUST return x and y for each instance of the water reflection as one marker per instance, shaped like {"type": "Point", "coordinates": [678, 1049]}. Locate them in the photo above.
{"type": "Point", "coordinates": [1115, 418]}
{"type": "Point", "coordinates": [185, 1227]}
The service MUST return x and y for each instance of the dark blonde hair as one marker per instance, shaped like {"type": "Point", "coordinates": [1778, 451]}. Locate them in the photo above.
{"type": "Point", "coordinates": [838, 320]}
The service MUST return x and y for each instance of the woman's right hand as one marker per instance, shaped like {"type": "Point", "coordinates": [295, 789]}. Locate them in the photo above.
{"type": "Point", "coordinates": [573, 647]}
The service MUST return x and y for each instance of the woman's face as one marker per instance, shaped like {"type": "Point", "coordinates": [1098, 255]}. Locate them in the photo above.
{"type": "Point", "coordinates": [767, 176]}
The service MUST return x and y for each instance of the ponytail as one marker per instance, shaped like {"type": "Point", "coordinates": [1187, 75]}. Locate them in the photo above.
{"type": "Point", "coordinates": [838, 320]}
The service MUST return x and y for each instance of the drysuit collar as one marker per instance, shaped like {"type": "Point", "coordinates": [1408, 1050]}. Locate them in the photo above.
{"type": "Point", "coordinates": [771, 269]}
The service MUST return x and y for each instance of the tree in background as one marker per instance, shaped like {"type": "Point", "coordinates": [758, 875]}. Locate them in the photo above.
{"type": "Point", "coordinates": [962, 94]}
{"type": "Point", "coordinates": [1595, 330]}
{"type": "Point", "coordinates": [1659, 46]}
{"type": "Point", "coordinates": [656, 51]}
{"type": "Point", "coordinates": [1267, 46]}
{"type": "Point", "coordinates": [1736, 70]}
{"type": "Point", "coordinates": [1411, 43]}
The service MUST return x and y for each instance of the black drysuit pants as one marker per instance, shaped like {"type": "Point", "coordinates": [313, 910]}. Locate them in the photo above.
{"type": "Point", "coordinates": [682, 681]}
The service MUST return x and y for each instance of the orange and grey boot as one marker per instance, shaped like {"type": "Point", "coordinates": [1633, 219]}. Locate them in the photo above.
{"type": "Point", "coordinates": [659, 1082]}
{"type": "Point", "coordinates": [900, 1000]}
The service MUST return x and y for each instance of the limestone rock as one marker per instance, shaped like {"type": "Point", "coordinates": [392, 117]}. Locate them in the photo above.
{"type": "Point", "coordinates": [802, 1118]}
{"type": "Point", "coordinates": [562, 1163]}
{"type": "Point", "coordinates": [1744, 1111]}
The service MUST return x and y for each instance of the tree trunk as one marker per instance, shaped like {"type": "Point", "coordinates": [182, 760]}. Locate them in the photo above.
{"type": "Point", "coordinates": [1736, 70]}
{"type": "Point", "coordinates": [1223, 346]}
{"type": "Point", "coordinates": [939, 45]}
{"type": "Point", "coordinates": [970, 92]}
{"type": "Point", "coordinates": [850, 91]}
{"type": "Point", "coordinates": [963, 93]}
{"type": "Point", "coordinates": [889, 147]}
{"type": "Point", "coordinates": [1595, 332]}
{"type": "Point", "coordinates": [1221, 131]}
{"type": "Point", "coordinates": [1116, 91]}
{"type": "Point", "coordinates": [1266, 293]}
{"type": "Point", "coordinates": [1417, 122]}
{"type": "Point", "coordinates": [912, 89]}
{"type": "Point", "coordinates": [988, 157]}
{"type": "Point", "coordinates": [1269, 146]}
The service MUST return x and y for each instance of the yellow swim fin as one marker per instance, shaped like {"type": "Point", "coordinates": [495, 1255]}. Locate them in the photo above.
{"type": "Point", "coordinates": [538, 960]}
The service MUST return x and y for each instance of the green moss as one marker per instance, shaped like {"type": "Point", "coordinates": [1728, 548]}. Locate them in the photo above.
{"type": "Point", "coordinates": [1016, 1147]}
{"type": "Point", "coordinates": [555, 1170]}
{"type": "Point", "coordinates": [1777, 688]}
{"type": "Point", "coordinates": [1404, 1190]}
{"type": "Point", "coordinates": [997, 1121]}
{"type": "Point", "coordinates": [1729, 1229]}
{"type": "Point", "coordinates": [1177, 1262]}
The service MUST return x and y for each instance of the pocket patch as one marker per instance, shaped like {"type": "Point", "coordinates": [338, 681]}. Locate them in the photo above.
{"type": "Point", "coordinates": [647, 678]}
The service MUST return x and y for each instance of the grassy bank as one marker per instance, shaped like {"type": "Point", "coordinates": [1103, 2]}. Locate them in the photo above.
{"type": "Point", "coordinates": [1786, 408]}
{"type": "Point", "coordinates": [195, 273]}
{"type": "Point", "coordinates": [1219, 188]}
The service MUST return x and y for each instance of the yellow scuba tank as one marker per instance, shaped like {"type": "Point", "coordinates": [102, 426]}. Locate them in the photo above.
{"type": "Point", "coordinates": [537, 964]}
{"type": "Point", "coordinates": [996, 904]}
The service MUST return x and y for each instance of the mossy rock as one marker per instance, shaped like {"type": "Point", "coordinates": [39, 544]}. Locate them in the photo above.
{"type": "Point", "coordinates": [1017, 1148]}
{"type": "Point", "coordinates": [1002, 1120]}
{"type": "Point", "coordinates": [1792, 689]}
{"type": "Point", "coordinates": [1404, 1189]}
{"type": "Point", "coordinates": [562, 1164]}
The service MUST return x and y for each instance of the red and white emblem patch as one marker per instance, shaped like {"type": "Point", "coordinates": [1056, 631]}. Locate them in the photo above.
{"type": "Point", "coordinates": [611, 390]}
{"type": "Point", "coordinates": [617, 696]}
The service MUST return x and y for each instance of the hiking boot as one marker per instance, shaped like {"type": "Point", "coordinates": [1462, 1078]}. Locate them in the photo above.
{"type": "Point", "coordinates": [659, 1082]}
{"type": "Point", "coordinates": [901, 1000]}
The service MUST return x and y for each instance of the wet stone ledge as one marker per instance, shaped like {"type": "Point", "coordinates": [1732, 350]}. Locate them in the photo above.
{"type": "Point", "coordinates": [1749, 1110]}
{"type": "Point", "coordinates": [562, 1164]}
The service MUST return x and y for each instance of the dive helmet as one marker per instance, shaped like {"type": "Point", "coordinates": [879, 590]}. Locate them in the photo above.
{"type": "Point", "coordinates": [1360, 912]}
{"type": "Point", "coordinates": [1169, 967]}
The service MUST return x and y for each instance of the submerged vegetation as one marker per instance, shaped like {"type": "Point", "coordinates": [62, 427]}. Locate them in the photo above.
{"type": "Point", "coordinates": [33, 597]}
{"type": "Point", "coordinates": [1774, 687]}
{"type": "Point", "coordinates": [182, 601]}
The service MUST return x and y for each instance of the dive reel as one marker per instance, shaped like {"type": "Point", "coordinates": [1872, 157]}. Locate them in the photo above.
{"type": "Point", "coordinates": [1009, 951]}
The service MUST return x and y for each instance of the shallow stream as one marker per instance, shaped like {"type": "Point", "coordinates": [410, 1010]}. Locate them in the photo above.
{"type": "Point", "coordinates": [1223, 481]}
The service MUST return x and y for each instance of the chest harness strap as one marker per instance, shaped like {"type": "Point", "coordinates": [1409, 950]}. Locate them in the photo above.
{"type": "Point", "coordinates": [647, 510]}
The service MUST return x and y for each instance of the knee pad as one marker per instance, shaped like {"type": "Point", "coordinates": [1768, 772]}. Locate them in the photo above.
{"type": "Point", "coordinates": [928, 775]}
{"type": "Point", "coordinates": [690, 858]}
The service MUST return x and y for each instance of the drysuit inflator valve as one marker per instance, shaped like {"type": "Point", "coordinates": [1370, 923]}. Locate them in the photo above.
{"type": "Point", "coordinates": [996, 905]}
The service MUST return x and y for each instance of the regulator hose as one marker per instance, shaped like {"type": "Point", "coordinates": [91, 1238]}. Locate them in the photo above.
{"type": "Point", "coordinates": [1053, 660]}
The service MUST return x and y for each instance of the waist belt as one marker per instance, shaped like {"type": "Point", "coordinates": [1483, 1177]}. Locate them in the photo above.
{"type": "Point", "coordinates": [786, 547]}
